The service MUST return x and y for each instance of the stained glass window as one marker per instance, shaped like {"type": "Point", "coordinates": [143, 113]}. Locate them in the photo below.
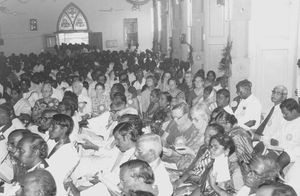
{"type": "Point", "coordinates": [72, 19]}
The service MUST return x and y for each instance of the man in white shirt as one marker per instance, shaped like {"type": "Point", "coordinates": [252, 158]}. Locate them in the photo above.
{"type": "Point", "coordinates": [6, 127]}
{"type": "Point", "coordinates": [149, 148]}
{"type": "Point", "coordinates": [84, 102]}
{"type": "Point", "coordinates": [31, 96]}
{"type": "Point", "coordinates": [289, 140]}
{"type": "Point", "coordinates": [248, 112]}
{"type": "Point", "coordinates": [272, 124]}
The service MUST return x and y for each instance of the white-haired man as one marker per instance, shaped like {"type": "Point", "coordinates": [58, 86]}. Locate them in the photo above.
{"type": "Point", "coordinates": [149, 148]}
{"type": "Point", "coordinates": [84, 102]}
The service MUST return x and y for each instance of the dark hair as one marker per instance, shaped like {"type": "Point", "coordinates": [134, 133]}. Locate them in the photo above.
{"type": "Point", "coordinates": [17, 89]}
{"type": "Point", "coordinates": [140, 169]}
{"type": "Point", "coordinates": [119, 99]}
{"type": "Point", "coordinates": [224, 92]}
{"type": "Point", "coordinates": [174, 79]}
{"type": "Point", "coordinates": [163, 76]}
{"type": "Point", "coordinates": [125, 128]}
{"type": "Point", "coordinates": [132, 118]}
{"type": "Point", "coordinates": [200, 73]}
{"type": "Point", "coordinates": [64, 121]}
{"type": "Point", "coordinates": [223, 115]}
{"type": "Point", "coordinates": [211, 72]}
{"type": "Point", "coordinates": [290, 104]}
{"type": "Point", "coordinates": [117, 87]}
{"type": "Point", "coordinates": [139, 193]}
{"type": "Point", "coordinates": [225, 141]}
{"type": "Point", "coordinates": [217, 128]}
{"type": "Point", "coordinates": [70, 105]}
{"type": "Point", "coordinates": [279, 189]}
{"type": "Point", "coordinates": [133, 91]}
{"type": "Point", "coordinates": [69, 95]}
{"type": "Point", "coordinates": [197, 76]}
{"type": "Point", "coordinates": [168, 96]}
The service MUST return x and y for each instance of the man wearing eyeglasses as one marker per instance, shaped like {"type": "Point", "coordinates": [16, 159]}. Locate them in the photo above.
{"type": "Point", "coordinates": [272, 124]}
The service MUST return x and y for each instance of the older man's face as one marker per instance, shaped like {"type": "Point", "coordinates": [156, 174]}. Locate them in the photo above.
{"type": "Point", "coordinates": [277, 96]}
{"type": "Point", "coordinates": [256, 174]}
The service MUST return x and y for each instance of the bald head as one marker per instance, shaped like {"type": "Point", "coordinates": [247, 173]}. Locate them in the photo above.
{"type": "Point", "coordinates": [37, 183]}
{"type": "Point", "coordinates": [149, 147]}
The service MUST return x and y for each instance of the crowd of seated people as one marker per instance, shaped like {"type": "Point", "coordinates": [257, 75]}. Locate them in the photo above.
{"type": "Point", "coordinates": [80, 121]}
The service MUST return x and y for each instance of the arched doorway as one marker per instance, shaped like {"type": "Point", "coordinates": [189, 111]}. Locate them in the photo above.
{"type": "Point", "coordinates": [72, 26]}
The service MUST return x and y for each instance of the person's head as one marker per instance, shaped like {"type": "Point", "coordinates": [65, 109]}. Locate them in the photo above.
{"type": "Point", "coordinates": [224, 82]}
{"type": "Point", "coordinates": [261, 169]}
{"type": "Point", "coordinates": [221, 144]}
{"type": "Point", "coordinates": [46, 118]}
{"type": "Point", "coordinates": [172, 82]}
{"type": "Point", "coordinates": [99, 88]}
{"type": "Point", "coordinates": [290, 109]}
{"type": "Point", "coordinates": [16, 94]}
{"type": "Point", "coordinates": [188, 77]}
{"type": "Point", "coordinates": [225, 119]}
{"type": "Point", "coordinates": [165, 99]}
{"type": "Point", "coordinates": [211, 76]}
{"type": "Point", "coordinates": [13, 139]}
{"type": "Point", "coordinates": [38, 182]}
{"type": "Point", "coordinates": [101, 79]}
{"type": "Point", "coordinates": [223, 98]}
{"type": "Point", "coordinates": [275, 189]}
{"type": "Point", "coordinates": [200, 115]}
{"type": "Point", "coordinates": [46, 90]}
{"type": "Point", "coordinates": [67, 107]}
{"type": "Point", "coordinates": [243, 89]}
{"type": "Point", "coordinates": [4, 116]}
{"type": "Point", "coordinates": [62, 127]}
{"type": "Point", "coordinates": [116, 88]}
{"type": "Point", "coordinates": [198, 81]}
{"type": "Point", "coordinates": [31, 150]}
{"type": "Point", "coordinates": [126, 134]}
{"type": "Point", "coordinates": [118, 103]}
{"type": "Point", "coordinates": [180, 114]}
{"type": "Point", "coordinates": [154, 95]}
{"type": "Point", "coordinates": [59, 77]}
{"type": "Point", "coordinates": [25, 84]}
{"type": "Point", "coordinates": [136, 175]}
{"type": "Point", "coordinates": [148, 147]}
{"type": "Point", "coordinates": [166, 76]}
{"type": "Point", "coordinates": [77, 87]}
{"type": "Point", "coordinates": [139, 74]}
{"type": "Point", "coordinates": [211, 130]}
{"type": "Point", "coordinates": [150, 81]}
{"type": "Point", "coordinates": [279, 94]}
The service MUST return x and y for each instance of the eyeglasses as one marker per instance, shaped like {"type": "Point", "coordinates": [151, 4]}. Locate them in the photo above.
{"type": "Point", "coordinates": [278, 92]}
{"type": "Point", "coordinates": [114, 111]}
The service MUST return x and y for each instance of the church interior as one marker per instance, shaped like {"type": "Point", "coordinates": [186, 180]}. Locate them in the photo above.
{"type": "Point", "coordinates": [253, 44]}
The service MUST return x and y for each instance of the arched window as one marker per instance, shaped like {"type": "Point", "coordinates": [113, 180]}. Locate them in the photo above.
{"type": "Point", "coordinates": [72, 25]}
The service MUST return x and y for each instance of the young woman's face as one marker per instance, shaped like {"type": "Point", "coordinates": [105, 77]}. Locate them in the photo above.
{"type": "Point", "coordinates": [172, 85]}
{"type": "Point", "coordinates": [198, 82]}
{"type": "Point", "coordinates": [209, 132]}
{"type": "Point", "coordinates": [216, 149]}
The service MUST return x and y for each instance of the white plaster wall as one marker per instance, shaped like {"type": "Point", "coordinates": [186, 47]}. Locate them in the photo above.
{"type": "Point", "coordinates": [18, 38]}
